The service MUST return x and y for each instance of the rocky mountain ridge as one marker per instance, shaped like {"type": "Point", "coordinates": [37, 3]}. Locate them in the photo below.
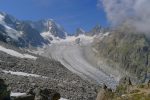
{"type": "Point", "coordinates": [25, 33]}
{"type": "Point", "coordinates": [127, 54]}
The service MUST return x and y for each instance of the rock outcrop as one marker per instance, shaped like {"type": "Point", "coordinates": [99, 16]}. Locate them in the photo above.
{"type": "Point", "coordinates": [105, 93]}
{"type": "Point", "coordinates": [125, 91]}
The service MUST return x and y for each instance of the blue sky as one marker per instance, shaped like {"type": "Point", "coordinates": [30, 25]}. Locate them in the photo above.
{"type": "Point", "coordinates": [71, 14]}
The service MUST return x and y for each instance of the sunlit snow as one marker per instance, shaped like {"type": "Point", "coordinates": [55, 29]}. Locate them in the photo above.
{"type": "Point", "coordinates": [12, 94]}
{"type": "Point", "coordinates": [17, 94]}
{"type": "Point", "coordinates": [1, 17]}
{"type": "Point", "coordinates": [16, 54]}
{"type": "Point", "coordinates": [22, 74]}
{"type": "Point", "coordinates": [63, 99]}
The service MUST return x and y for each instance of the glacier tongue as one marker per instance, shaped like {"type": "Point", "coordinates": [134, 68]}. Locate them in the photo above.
{"type": "Point", "coordinates": [72, 56]}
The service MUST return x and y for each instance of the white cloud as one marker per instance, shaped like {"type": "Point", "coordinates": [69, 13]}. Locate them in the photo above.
{"type": "Point", "coordinates": [132, 12]}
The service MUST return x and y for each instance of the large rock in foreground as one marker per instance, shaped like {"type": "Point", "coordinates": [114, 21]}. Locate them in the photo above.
{"type": "Point", "coordinates": [4, 91]}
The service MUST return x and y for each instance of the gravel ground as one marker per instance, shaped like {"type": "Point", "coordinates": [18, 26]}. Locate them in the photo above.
{"type": "Point", "coordinates": [68, 84]}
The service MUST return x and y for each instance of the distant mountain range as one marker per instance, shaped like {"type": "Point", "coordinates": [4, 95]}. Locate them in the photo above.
{"type": "Point", "coordinates": [34, 33]}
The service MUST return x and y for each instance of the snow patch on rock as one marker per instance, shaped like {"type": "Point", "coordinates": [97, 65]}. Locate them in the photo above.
{"type": "Point", "coordinates": [18, 94]}
{"type": "Point", "coordinates": [16, 54]}
{"type": "Point", "coordinates": [63, 99]}
{"type": "Point", "coordinates": [22, 74]}
{"type": "Point", "coordinates": [12, 94]}
{"type": "Point", "coordinates": [1, 17]}
{"type": "Point", "coordinates": [13, 33]}
{"type": "Point", "coordinates": [48, 36]}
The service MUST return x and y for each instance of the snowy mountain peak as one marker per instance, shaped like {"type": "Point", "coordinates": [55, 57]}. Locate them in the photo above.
{"type": "Point", "coordinates": [25, 33]}
{"type": "Point", "coordinates": [51, 31]}
{"type": "Point", "coordinates": [6, 18]}
{"type": "Point", "coordinates": [2, 14]}
{"type": "Point", "coordinates": [96, 30]}
{"type": "Point", "coordinates": [37, 33]}
{"type": "Point", "coordinates": [79, 31]}
{"type": "Point", "coordinates": [2, 17]}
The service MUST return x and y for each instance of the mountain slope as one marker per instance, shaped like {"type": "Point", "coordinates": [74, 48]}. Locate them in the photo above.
{"type": "Point", "coordinates": [127, 54]}
{"type": "Point", "coordinates": [24, 72]}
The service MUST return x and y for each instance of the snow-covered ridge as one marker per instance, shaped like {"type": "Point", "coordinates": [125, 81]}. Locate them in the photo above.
{"type": "Point", "coordinates": [11, 32]}
{"type": "Point", "coordinates": [82, 37]}
{"type": "Point", "coordinates": [69, 39]}
{"type": "Point", "coordinates": [16, 54]}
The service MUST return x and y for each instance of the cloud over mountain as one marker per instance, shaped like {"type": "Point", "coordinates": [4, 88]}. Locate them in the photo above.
{"type": "Point", "coordinates": [135, 13]}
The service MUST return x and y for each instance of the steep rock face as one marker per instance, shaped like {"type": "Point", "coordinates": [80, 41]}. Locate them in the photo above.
{"type": "Point", "coordinates": [28, 33]}
{"type": "Point", "coordinates": [95, 30]}
{"type": "Point", "coordinates": [49, 26]}
{"type": "Point", "coordinates": [127, 51]}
